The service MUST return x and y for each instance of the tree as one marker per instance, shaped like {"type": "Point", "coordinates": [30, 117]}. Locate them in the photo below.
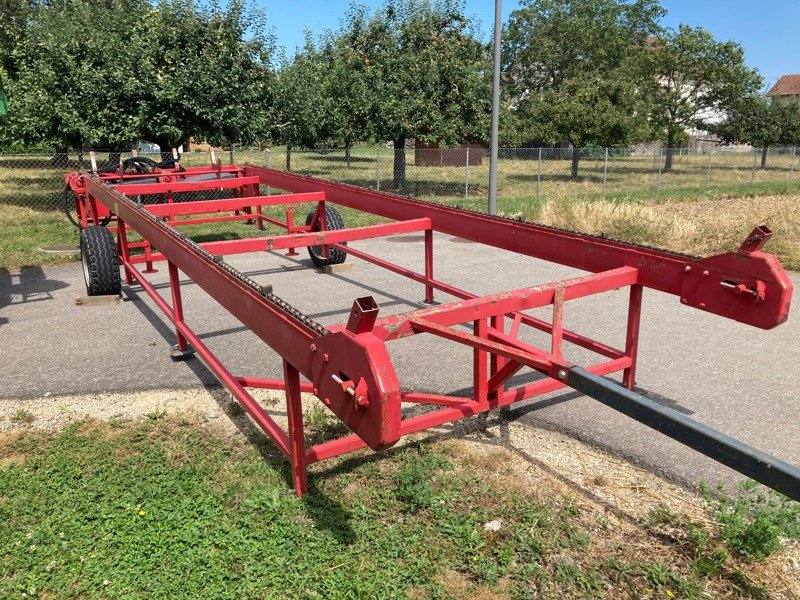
{"type": "Point", "coordinates": [300, 109]}
{"type": "Point", "coordinates": [571, 70]}
{"type": "Point", "coordinates": [347, 94]}
{"type": "Point", "coordinates": [210, 75]}
{"type": "Point", "coordinates": [691, 77]}
{"type": "Point", "coordinates": [107, 73]}
{"type": "Point", "coordinates": [15, 16]}
{"type": "Point", "coordinates": [761, 122]}
{"type": "Point", "coordinates": [429, 75]}
{"type": "Point", "coordinates": [75, 77]}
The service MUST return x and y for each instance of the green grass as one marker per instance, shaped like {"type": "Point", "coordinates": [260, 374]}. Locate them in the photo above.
{"type": "Point", "coordinates": [754, 522]}
{"type": "Point", "coordinates": [164, 508]}
{"type": "Point", "coordinates": [22, 416]}
{"type": "Point", "coordinates": [30, 192]}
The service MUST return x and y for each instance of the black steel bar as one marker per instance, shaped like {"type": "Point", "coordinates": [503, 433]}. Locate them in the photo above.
{"type": "Point", "coordinates": [758, 465]}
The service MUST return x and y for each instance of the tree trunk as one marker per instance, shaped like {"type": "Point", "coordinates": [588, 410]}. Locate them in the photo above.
{"type": "Point", "coordinates": [348, 146]}
{"type": "Point", "coordinates": [288, 157]}
{"type": "Point", "coordinates": [399, 179]}
{"type": "Point", "coordinates": [670, 151]}
{"type": "Point", "coordinates": [576, 161]}
{"type": "Point", "coordinates": [764, 154]}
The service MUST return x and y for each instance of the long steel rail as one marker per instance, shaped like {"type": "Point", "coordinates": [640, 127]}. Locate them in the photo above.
{"type": "Point", "coordinates": [349, 366]}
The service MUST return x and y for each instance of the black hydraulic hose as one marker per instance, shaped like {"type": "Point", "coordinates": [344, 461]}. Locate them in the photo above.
{"type": "Point", "coordinates": [68, 210]}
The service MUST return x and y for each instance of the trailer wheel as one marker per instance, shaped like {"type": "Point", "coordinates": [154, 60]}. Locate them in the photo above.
{"type": "Point", "coordinates": [100, 262]}
{"type": "Point", "coordinates": [335, 257]}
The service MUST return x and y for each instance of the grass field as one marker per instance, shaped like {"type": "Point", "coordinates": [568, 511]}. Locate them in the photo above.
{"type": "Point", "coordinates": [635, 203]}
{"type": "Point", "coordinates": [168, 507]}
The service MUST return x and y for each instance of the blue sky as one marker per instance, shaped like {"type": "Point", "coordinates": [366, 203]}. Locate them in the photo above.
{"type": "Point", "coordinates": [768, 31]}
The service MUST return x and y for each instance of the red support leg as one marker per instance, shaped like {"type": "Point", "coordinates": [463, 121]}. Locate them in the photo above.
{"type": "Point", "coordinates": [294, 410]}
{"type": "Point", "coordinates": [428, 266]}
{"type": "Point", "coordinates": [632, 336]}
{"type": "Point", "coordinates": [122, 245]}
{"type": "Point", "coordinates": [289, 227]}
{"type": "Point", "coordinates": [260, 220]}
{"type": "Point", "coordinates": [177, 304]}
{"type": "Point", "coordinates": [148, 260]}
{"type": "Point", "coordinates": [496, 362]}
{"type": "Point", "coordinates": [481, 380]}
{"type": "Point", "coordinates": [556, 347]}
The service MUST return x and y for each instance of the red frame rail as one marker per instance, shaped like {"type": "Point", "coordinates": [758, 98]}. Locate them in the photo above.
{"type": "Point", "coordinates": [348, 366]}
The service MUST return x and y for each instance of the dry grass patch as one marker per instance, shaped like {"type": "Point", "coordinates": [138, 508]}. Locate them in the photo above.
{"type": "Point", "coordinates": [700, 227]}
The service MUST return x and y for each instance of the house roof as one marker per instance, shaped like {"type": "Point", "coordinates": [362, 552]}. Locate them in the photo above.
{"type": "Point", "coordinates": [787, 85]}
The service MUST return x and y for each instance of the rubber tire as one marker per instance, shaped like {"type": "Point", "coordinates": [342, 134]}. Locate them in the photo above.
{"type": "Point", "coordinates": [335, 257]}
{"type": "Point", "coordinates": [100, 262]}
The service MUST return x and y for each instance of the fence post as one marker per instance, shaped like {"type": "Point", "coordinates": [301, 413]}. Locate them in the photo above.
{"type": "Point", "coordinates": [231, 153]}
{"type": "Point", "coordinates": [605, 171]}
{"type": "Point", "coordinates": [539, 174]}
{"type": "Point", "coordinates": [378, 168]}
{"type": "Point", "coordinates": [753, 173]}
{"type": "Point", "coordinates": [708, 173]}
{"type": "Point", "coordinates": [658, 181]}
{"type": "Point", "coordinates": [794, 154]}
{"type": "Point", "coordinates": [466, 175]}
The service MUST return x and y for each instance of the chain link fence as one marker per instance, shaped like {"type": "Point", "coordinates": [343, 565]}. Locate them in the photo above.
{"type": "Point", "coordinates": [450, 175]}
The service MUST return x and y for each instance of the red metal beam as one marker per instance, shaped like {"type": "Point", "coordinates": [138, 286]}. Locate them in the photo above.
{"type": "Point", "coordinates": [696, 280]}
{"type": "Point", "coordinates": [569, 336]}
{"type": "Point", "coordinates": [396, 326]}
{"type": "Point", "coordinates": [177, 187]}
{"type": "Point", "coordinates": [201, 207]}
{"type": "Point", "coordinates": [337, 236]}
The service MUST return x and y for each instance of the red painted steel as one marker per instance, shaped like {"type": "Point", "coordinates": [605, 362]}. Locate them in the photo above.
{"type": "Point", "coordinates": [658, 269]}
{"type": "Point", "coordinates": [349, 367]}
{"type": "Point", "coordinates": [200, 207]}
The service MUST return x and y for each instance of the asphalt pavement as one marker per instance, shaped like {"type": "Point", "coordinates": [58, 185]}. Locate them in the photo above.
{"type": "Point", "coordinates": [740, 380]}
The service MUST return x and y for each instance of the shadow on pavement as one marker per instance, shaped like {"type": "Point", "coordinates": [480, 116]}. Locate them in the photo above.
{"type": "Point", "coordinates": [30, 284]}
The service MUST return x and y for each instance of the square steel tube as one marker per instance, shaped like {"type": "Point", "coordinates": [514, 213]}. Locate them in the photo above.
{"type": "Point", "coordinates": [397, 326]}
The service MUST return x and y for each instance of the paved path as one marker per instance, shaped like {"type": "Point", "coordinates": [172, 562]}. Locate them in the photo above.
{"type": "Point", "coordinates": [743, 381]}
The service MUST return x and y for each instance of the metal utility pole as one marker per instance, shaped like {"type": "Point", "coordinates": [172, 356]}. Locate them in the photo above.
{"type": "Point", "coordinates": [495, 110]}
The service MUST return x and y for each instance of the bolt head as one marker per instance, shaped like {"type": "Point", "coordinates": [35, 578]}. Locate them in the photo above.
{"type": "Point", "coordinates": [706, 273]}
{"type": "Point", "coordinates": [702, 305]}
{"type": "Point", "coordinates": [687, 268]}
{"type": "Point", "coordinates": [325, 357]}
{"type": "Point", "coordinates": [562, 374]}
{"type": "Point", "coordinates": [684, 301]}
{"type": "Point", "coordinates": [326, 401]}
{"type": "Point", "coordinates": [313, 347]}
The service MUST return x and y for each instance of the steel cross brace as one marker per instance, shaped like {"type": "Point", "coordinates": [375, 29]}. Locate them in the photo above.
{"type": "Point", "coordinates": [349, 367]}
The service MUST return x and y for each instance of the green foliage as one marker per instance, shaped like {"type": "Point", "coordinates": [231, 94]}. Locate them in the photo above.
{"type": "Point", "coordinates": [754, 522]}
{"type": "Point", "coordinates": [691, 77]}
{"type": "Point", "coordinates": [761, 122]}
{"type": "Point", "coordinates": [22, 416]}
{"type": "Point", "coordinates": [300, 107]}
{"type": "Point", "coordinates": [428, 74]}
{"type": "Point", "coordinates": [107, 73]}
{"type": "Point", "coordinates": [413, 482]}
{"type": "Point", "coordinates": [571, 69]}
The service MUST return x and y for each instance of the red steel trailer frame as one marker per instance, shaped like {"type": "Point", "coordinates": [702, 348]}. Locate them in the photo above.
{"type": "Point", "coordinates": [348, 366]}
